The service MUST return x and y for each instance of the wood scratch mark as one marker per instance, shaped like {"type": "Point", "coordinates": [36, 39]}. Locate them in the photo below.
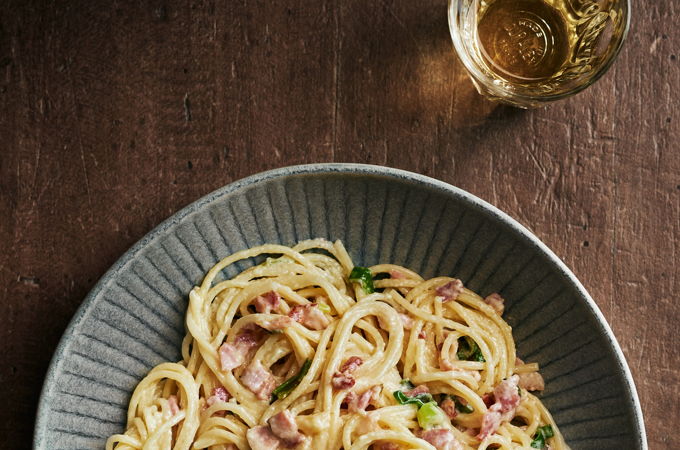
{"type": "Point", "coordinates": [494, 192]}
{"type": "Point", "coordinates": [385, 152]}
{"type": "Point", "coordinates": [79, 136]}
{"type": "Point", "coordinates": [541, 169]}
{"type": "Point", "coordinates": [655, 44]}
{"type": "Point", "coordinates": [187, 108]}
{"type": "Point", "coordinates": [35, 171]}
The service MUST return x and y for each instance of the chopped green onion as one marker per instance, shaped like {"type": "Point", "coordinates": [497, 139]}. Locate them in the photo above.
{"type": "Point", "coordinates": [542, 433]}
{"type": "Point", "coordinates": [419, 400]}
{"type": "Point", "coordinates": [429, 415]}
{"type": "Point", "coordinates": [468, 350]}
{"type": "Point", "coordinates": [407, 384]}
{"type": "Point", "coordinates": [461, 408]}
{"type": "Point", "coordinates": [291, 383]}
{"type": "Point", "coordinates": [324, 308]}
{"type": "Point", "coordinates": [363, 276]}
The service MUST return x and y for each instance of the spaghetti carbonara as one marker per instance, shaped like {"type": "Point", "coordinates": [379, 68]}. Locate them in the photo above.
{"type": "Point", "coordinates": [307, 351]}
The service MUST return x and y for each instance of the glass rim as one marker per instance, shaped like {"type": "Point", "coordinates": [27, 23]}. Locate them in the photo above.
{"type": "Point", "coordinates": [490, 84]}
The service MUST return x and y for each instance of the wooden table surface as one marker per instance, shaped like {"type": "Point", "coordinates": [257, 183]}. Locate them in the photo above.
{"type": "Point", "coordinates": [114, 115]}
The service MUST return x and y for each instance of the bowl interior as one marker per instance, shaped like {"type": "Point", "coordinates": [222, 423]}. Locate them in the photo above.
{"type": "Point", "coordinates": [134, 318]}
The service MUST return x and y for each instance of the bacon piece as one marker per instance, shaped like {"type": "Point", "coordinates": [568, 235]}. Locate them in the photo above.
{"type": "Point", "coordinates": [532, 381]}
{"type": "Point", "coordinates": [451, 290]}
{"type": "Point", "coordinates": [507, 400]}
{"type": "Point", "coordinates": [420, 389]}
{"type": "Point", "coordinates": [441, 439]}
{"type": "Point", "coordinates": [496, 302]}
{"type": "Point", "coordinates": [449, 407]}
{"type": "Point", "coordinates": [173, 405]}
{"type": "Point", "coordinates": [406, 320]}
{"type": "Point", "coordinates": [233, 354]}
{"type": "Point", "coordinates": [422, 334]}
{"type": "Point", "coordinates": [444, 363]}
{"type": "Point", "coordinates": [284, 427]}
{"type": "Point", "coordinates": [343, 379]}
{"type": "Point", "coordinates": [258, 379]}
{"type": "Point", "coordinates": [488, 399]}
{"type": "Point", "coordinates": [397, 275]}
{"type": "Point", "coordinates": [310, 316]}
{"type": "Point", "coordinates": [262, 438]}
{"type": "Point", "coordinates": [218, 394]}
{"type": "Point", "coordinates": [352, 363]}
{"type": "Point", "coordinates": [358, 403]}
{"type": "Point", "coordinates": [267, 303]}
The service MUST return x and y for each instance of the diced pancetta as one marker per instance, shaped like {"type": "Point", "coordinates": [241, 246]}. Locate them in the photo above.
{"type": "Point", "coordinates": [359, 402]}
{"type": "Point", "coordinates": [397, 275]}
{"type": "Point", "coordinates": [406, 320]}
{"type": "Point", "coordinates": [488, 399]}
{"type": "Point", "coordinates": [449, 407]}
{"type": "Point", "coordinates": [218, 394]}
{"type": "Point", "coordinates": [496, 302]}
{"type": "Point", "coordinates": [173, 406]}
{"type": "Point", "coordinates": [451, 290]}
{"type": "Point", "coordinates": [422, 334]}
{"type": "Point", "coordinates": [420, 389]}
{"type": "Point", "coordinates": [343, 379]}
{"type": "Point", "coordinates": [352, 363]}
{"type": "Point", "coordinates": [233, 354]}
{"type": "Point", "coordinates": [267, 303]}
{"type": "Point", "coordinates": [258, 379]}
{"type": "Point", "coordinates": [310, 316]}
{"type": "Point", "coordinates": [441, 439]}
{"type": "Point", "coordinates": [444, 362]}
{"type": "Point", "coordinates": [507, 400]}
{"type": "Point", "coordinates": [531, 381]}
{"type": "Point", "coordinates": [284, 427]}
{"type": "Point", "coordinates": [262, 438]}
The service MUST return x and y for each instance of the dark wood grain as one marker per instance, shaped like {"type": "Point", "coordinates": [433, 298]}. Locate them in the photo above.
{"type": "Point", "coordinates": [115, 114]}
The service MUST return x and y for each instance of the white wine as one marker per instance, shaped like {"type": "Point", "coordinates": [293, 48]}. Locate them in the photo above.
{"type": "Point", "coordinates": [529, 52]}
{"type": "Point", "coordinates": [523, 40]}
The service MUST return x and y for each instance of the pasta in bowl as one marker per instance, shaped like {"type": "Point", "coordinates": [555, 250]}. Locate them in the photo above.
{"type": "Point", "coordinates": [306, 350]}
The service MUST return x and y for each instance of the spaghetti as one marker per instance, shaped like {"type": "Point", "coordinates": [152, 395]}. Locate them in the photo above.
{"type": "Point", "coordinates": [307, 351]}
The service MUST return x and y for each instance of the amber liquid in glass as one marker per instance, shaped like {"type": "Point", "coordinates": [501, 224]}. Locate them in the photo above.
{"type": "Point", "coordinates": [523, 41]}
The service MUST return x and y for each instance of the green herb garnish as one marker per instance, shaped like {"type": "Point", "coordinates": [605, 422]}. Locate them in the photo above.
{"type": "Point", "coordinates": [468, 350]}
{"type": "Point", "coordinates": [542, 433]}
{"type": "Point", "coordinates": [461, 408]}
{"type": "Point", "coordinates": [324, 308]}
{"type": "Point", "coordinates": [429, 415]}
{"type": "Point", "coordinates": [363, 276]}
{"type": "Point", "coordinates": [418, 400]}
{"type": "Point", "coordinates": [291, 383]}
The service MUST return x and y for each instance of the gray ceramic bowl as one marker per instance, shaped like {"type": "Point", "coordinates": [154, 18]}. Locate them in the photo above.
{"type": "Point", "coordinates": [133, 318]}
